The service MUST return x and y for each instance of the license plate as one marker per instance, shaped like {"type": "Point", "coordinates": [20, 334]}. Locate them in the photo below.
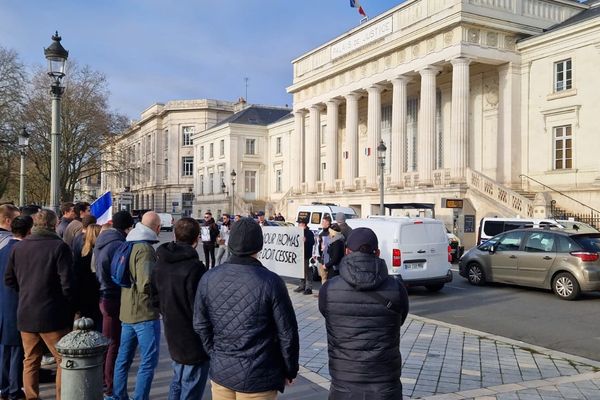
{"type": "Point", "coordinates": [413, 266]}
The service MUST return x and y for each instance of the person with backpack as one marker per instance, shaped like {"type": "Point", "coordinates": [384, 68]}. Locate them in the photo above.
{"type": "Point", "coordinates": [174, 282]}
{"type": "Point", "coordinates": [131, 268]}
{"type": "Point", "coordinates": [107, 243]}
{"type": "Point", "coordinates": [364, 356]}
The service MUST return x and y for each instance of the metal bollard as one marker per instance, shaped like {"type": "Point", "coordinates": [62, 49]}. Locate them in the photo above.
{"type": "Point", "coordinates": [82, 354]}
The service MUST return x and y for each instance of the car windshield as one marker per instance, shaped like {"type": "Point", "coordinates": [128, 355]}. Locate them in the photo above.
{"type": "Point", "coordinates": [589, 242]}
{"type": "Point", "coordinates": [485, 246]}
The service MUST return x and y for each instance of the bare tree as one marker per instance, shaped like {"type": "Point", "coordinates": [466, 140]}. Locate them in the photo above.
{"type": "Point", "coordinates": [12, 89]}
{"type": "Point", "coordinates": [86, 125]}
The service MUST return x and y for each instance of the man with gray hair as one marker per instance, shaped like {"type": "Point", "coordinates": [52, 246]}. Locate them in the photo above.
{"type": "Point", "coordinates": [140, 319]}
{"type": "Point", "coordinates": [8, 212]}
{"type": "Point", "coordinates": [40, 269]}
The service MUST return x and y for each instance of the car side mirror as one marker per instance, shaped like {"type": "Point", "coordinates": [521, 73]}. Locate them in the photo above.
{"type": "Point", "coordinates": [492, 249]}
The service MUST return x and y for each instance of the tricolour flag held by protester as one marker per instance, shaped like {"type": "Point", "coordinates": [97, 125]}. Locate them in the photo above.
{"type": "Point", "coordinates": [102, 208]}
{"type": "Point", "coordinates": [356, 4]}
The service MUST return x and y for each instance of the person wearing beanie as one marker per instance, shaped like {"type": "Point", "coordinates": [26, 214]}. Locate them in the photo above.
{"type": "Point", "coordinates": [364, 356]}
{"type": "Point", "coordinates": [340, 219]}
{"type": "Point", "coordinates": [246, 321]}
{"type": "Point", "coordinates": [107, 243]}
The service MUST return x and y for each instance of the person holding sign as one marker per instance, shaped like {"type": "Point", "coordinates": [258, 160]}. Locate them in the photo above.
{"type": "Point", "coordinates": [305, 286]}
{"type": "Point", "coordinates": [208, 234]}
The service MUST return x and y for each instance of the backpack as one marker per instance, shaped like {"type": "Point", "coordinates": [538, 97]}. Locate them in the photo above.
{"type": "Point", "coordinates": [119, 266]}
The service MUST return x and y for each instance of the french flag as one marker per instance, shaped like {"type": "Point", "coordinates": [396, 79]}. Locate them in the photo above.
{"type": "Point", "coordinates": [102, 208]}
{"type": "Point", "coordinates": [356, 4]}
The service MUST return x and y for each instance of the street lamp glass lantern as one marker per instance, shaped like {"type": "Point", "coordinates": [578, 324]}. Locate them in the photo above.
{"type": "Point", "coordinates": [57, 57]}
{"type": "Point", "coordinates": [381, 149]}
{"type": "Point", "coordinates": [233, 175]}
{"type": "Point", "coordinates": [24, 138]}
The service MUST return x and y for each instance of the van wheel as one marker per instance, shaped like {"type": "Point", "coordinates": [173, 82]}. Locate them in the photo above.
{"type": "Point", "coordinates": [475, 274]}
{"type": "Point", "coordinates": [566, 286]}
{"type": "Point", "coordinates": [434, 288]}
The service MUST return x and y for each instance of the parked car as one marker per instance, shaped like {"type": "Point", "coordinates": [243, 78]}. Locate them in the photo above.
{"type": "Point", "coordinates": [490, 227]}
{"type": "Point", "coordinates": [166, 222]}
{"type": "Point", "coordinates": [564, 261]}
{"type": "Point", "coordinates": [414, 249]}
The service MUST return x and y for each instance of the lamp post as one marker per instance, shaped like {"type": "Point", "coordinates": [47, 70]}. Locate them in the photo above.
{"type": "Point", "coordinates": [57, 59]}
{"type": "Point", "coordinates": [23, 143]}
{"type": "Point", "coordinates": [233, 176]}
{"type": "Point", "coordinates": [381, 157]}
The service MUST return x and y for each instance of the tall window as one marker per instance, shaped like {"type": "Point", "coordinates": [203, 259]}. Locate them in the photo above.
{"type": "Point", "coordinates": [278, 145]}
{"type": "Point", "coordinates": [439, 131]}
{"type": "Point", "coordinates": [278, 181]}
{"type": "Point", "coordinates": [221, 181]}
{"type": "Point", "coordinates": [201, 184]}
{"type": "Point", "coordinates": [563, 147]}
{"type": "Point", "coordinates": [166, 141]}
{"type": "Point", "coordinates": [211, 150]}
{"type": "Point", "coordinates": [250, 146]}
{"type": "Point", "coordinates": [563, 75]}
{"type": "Point", "coordinates": [211, 182]}
{"type": "Point", "coordinates": [188, 131]}
{"type": "Point", "coordinates": [201, 153]}
{"type": "Point", "coordinates": [323, 133]}
{"type": "Point", "coordinates": [187, 166]}
{"type": "Point", "coordinates": [222, 147]}
{"type": "Point", "coordinates": [148, 144]}
{"type": "Point", "coordinates": [386, 135]}
{"type": "Point", "coordinates": [166, 169]}
{"type": "Point", "coordinates": [410, 146]}
{"type": "Point", "coordinates": [250, 181]}
{"type": "Point", "coordinates": [322, 171]}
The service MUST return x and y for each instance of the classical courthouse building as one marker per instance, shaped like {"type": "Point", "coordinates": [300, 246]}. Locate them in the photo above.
{"type": "Point", "coordinates": [490, 102]}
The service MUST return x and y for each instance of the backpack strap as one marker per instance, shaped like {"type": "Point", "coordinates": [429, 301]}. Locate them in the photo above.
{"type": "Point", "coordinates": [389, 304]}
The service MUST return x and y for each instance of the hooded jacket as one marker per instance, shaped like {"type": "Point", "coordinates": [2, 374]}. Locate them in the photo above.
{"type": "Point", "coordinates": [135, 301]}
{"type": "Point", "coordinates": [107, 244]}
{"type": "Point", "coordinates": [245, 318]}
{"type": "Point", "coordinates": [174, 282]}
{"type": "Point", "coordinates": [368, 349]}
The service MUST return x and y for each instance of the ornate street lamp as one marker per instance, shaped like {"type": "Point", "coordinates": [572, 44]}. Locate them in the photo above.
{"type": "Point", "coordinates": [233, 176]}
{"type": "Point", "coordinates": [381, 157]}
{"type": "Point", "coordinates": [23, 143]}
{"type": "Point", "coordinates": [57, 59]}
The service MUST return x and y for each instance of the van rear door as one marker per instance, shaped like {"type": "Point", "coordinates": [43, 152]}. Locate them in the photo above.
{"type": "Point", "coordinates": [424, 248]}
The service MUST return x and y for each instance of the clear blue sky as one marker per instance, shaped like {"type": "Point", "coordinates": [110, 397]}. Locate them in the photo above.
{"type": "Point", "coordinates": [156, 51]}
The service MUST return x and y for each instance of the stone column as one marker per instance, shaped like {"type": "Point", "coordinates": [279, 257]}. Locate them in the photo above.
{"type": "Point", "coordinates": [398, 128]}
{"type": "Point", "coordinates": [511, 157]}
{"type": "Point", "coordinates": [459, 129]}
{"type": "Point", "coordinates": [312, 157]}
{"type": "Point", "coordinates": [351, 163]}
{"type": "Point", "coordinates": [426, 139]}
{"type": "Point", "coordinates": [296, 159]}
{"type": "Point", "coordinates": [331, 144]}
{"type": "Point", "coordinates": [373, 133]}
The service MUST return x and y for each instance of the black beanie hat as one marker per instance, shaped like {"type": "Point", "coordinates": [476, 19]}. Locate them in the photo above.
{"type": "Point", "coordinates": [245, 237]}
{"type": "Point", "coordinates": [122, 220]}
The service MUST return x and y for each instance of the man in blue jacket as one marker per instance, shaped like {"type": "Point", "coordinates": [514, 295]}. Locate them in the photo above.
{"type": "Point", "coordinates": [11, 346]}
{"type": "Point", "coordinates": [245, 318]}
{"type": "Point", "coordinates": [110, 293]}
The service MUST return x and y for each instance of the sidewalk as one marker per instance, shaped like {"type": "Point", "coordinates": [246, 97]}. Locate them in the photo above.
{"type": "Point", "coordinates": [440, 362]}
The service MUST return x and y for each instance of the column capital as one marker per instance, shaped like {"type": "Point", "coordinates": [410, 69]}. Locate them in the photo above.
{"type": "Point", "coordinates": [429, 70]}
{"type": "Point", "coordinates": [300, 112]}
{"type": "Point", "coordinates": [460, 61]}
{"type": "Point", "coordinates": [375, 88]}
{"type": "Point", "coordinates": [352, 96]}
{"type": "Point", "coordinates": [333, 102]}
{"type": "Point", "coordinates": [400, 80]}
{"type": "Point", "coordinates": [315, 107]}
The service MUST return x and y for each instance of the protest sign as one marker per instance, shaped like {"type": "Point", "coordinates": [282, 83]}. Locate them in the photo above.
{"type": "Point", "coordinates": [283, 250]}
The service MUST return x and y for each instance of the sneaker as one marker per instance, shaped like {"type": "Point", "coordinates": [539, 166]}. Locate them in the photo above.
{"type": "Point", "coordinates": [48, 360]}
{"type": "Point", "coordinates": [307, 291]}
{"type": "Point", "coordinates": [299, 289]}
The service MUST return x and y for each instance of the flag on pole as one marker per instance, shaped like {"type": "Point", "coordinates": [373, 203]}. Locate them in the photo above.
{"type": "Point", "coordinates": [356, 4]}
{"type": "Point", "coordinates": [102, 208]}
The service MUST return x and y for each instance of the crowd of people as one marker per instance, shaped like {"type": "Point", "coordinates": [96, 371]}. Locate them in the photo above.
{"type": "Point", "coordinates": [231, 320]}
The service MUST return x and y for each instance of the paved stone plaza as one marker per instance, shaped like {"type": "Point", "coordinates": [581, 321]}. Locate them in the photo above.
{"type": "Point", "coordinates": [440, 362]}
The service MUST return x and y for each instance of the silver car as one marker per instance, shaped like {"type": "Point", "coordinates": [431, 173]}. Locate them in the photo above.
{"type": "Point", "coordinates": [566, 262]}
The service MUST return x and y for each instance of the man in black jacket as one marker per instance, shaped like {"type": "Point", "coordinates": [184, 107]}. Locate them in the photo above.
{"type": "Point", "coordinates": [174, 282]}
{"type": "Point", "coordinates": [209, 232]}
{"type": "Point", "coordinates": [364, 342]}
{"type": "Point", "coordinates": [305, 286]}
{"type": "Point", "coordinates": [244, 316]}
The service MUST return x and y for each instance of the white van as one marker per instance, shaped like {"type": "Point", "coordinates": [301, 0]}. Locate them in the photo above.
{"type": "Point", "coordinates": [415, 249]}
{"type": "Point", "coordinates": [490, 227]}
{"type": "Point", "coordinates": [315, 212]}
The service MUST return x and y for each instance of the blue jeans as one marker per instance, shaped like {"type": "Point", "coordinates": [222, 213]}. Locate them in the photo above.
{"type": "Point", "coordinates": [147, 335]}
{"type": "Point", "coordinates": [11, 362]}
{"type": "Point", "coordinates": [188, 381]}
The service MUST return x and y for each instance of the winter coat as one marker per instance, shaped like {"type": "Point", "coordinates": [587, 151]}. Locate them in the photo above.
{"type": "Point", "coordinates": [62, 225]}
{"type": "Point", "coordinates": [309, 243]}
{"type": "Point", "coordinates": [368, 349]}
{"type": "Point", "coordinates": [9, 301]}
{"type": "Point", "coordinates": [335, 250]}
{"type": "Point", "coordinates": [174, 282]}
{"type": "Point", "coordinates": [40, 268]}
{"type": "Point", "coordinates": [71, 231]}
{"type": "Point", "coordinates": [107, 244]}
{"type": "Point", "coordinates": [346, 230]}
{"type": "Point", "coordinates": [88, 289]}
{"type": "Point", "coordinates": [323, 243]}
{"type": "Point", "coordinates": [245, 318]}
{"type": "Point", "coordinates": [213, 232]}
{"type": "Point", "coordinates": [5, 237]}
{"type": "Point", "coordinates": [136, 305]}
